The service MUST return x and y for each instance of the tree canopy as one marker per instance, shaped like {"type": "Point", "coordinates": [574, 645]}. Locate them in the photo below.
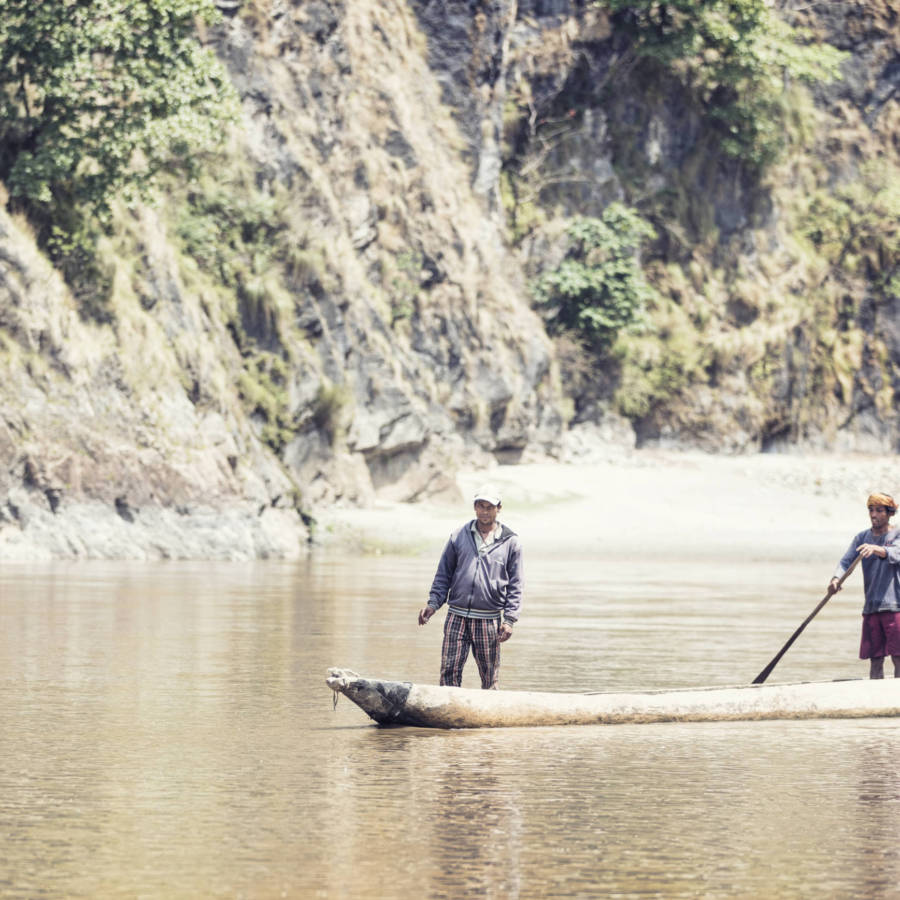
{"type": "Point", "coordinates": [97, 96]}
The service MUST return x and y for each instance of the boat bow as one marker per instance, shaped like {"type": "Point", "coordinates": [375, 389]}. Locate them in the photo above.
{"type": "Point", "coordinates": [384, 701]}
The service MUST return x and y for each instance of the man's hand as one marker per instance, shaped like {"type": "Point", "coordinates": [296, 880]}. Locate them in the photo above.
{"type": "Point", "coordinates": [425, 613]}
{"type": "Point", "coordinates": [867, 550]}
{"type": "Point", "coordinates": [505, 633]}
{"type": "Point", "coordinates": [834, 586]}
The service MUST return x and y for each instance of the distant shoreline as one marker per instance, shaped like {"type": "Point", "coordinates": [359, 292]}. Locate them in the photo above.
{"type": "Point", "coordinates": [646, 501]}
{"type": "Point", "coordinates": [619, 502]}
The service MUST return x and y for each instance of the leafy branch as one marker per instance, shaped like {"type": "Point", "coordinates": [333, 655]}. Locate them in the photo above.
{"type": "Point", "coordinates": [598, 289]}
{"type": "Point", "coordinates": [96, 98]}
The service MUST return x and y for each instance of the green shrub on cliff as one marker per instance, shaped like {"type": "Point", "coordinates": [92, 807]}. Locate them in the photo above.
{"type": "Point", "coordinates": [598, 289]}
{"type": "Point", "coordinates": [854, 227]}
{"type": "Point", "coordinates": [736, 56]}
{"type": "Point", "coordinates": [97, 97]}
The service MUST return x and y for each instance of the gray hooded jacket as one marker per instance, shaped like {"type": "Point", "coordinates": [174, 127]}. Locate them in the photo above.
{"type": "Point", "coordinates": [479, 585]}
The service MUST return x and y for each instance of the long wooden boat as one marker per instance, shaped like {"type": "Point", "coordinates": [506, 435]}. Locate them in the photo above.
{"type": "Point", "coordinates": [430, 706]}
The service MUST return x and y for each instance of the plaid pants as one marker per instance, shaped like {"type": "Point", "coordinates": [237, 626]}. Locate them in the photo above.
{"type": "Point", "coordinates": [460, 633]}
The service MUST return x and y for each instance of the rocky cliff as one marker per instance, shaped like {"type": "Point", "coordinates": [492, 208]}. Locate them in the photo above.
{"type": "Point", "coordinates": [338, 306]}
{"type": "Point", "coordinates": [775, 325]}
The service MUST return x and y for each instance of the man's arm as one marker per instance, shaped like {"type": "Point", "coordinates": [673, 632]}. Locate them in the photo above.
{"type": "Point", "coordinates": [844, 563]}
{"type": "Point", "coordinates": [890, 550]}
{"type": "Point", "coordinates": [440, 586]}
{"type": "Point", "coordinates": [515, 585]}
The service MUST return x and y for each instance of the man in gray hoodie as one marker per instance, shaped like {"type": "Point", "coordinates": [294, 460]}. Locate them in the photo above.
{"type": "Point", "coordinates": [479, 576]}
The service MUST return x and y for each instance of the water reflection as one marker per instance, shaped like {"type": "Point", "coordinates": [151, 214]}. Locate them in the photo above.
{"type": "Point", "coordinates": [635, 810]}
{"type": "Point", "coordinates": [877, 811]}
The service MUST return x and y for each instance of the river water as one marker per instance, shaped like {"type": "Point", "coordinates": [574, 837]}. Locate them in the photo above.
{"type": "Point", "coordinates": [166, 732]}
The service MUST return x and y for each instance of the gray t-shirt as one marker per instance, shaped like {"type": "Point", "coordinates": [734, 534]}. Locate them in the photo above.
{"type": "Point", "coordinates": [881, 577]}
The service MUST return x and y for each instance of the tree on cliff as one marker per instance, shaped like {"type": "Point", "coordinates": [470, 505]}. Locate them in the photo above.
{"type": "Point", "coordinates": [736, 56]}
{"type": "Point", "coordinates": [97, 97]}
{"type": "Point", "coordinates": [598, 289]}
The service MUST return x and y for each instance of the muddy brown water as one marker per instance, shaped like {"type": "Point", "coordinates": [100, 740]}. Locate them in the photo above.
{"type": "Point", "coordinates": [166, 731]}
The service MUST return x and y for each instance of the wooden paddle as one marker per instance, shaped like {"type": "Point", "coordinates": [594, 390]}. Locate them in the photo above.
{"type": "Point", "coordinates": [767, 671]}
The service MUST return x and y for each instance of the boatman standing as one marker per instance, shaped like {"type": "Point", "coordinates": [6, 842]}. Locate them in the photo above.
{"type": "Point", "coordinates": [479, 576]}
{"type": "Point", "coordinates": [879, 547]}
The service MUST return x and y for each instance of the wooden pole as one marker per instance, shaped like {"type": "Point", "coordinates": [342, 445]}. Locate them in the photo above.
{"type": "Point", "coordinates": [831, 592]}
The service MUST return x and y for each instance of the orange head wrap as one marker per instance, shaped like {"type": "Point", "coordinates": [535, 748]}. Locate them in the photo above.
{"type": "Point", "coordinates": [885, 500]}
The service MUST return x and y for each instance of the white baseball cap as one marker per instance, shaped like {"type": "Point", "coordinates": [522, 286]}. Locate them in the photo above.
{"type": "Point", "coordinates": [489, 494]}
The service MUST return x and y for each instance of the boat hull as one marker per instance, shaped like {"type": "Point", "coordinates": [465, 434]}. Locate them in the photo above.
{"type": "Point", "coordinates": [431, 706]}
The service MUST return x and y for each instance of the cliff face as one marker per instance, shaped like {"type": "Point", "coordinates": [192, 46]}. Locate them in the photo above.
{"type": "Point", "coordinates": [859, 157]}
{"type": "Point", "coordinates": [383, 342]}
{"type": "Point", "coordinates": [775, 321]}
{"type": "Point", "coordinates": [413, 316]}
{"type": "Point", "coordinates": [103, 453]}
{"type": "Point", "coordinates": [335, 309]}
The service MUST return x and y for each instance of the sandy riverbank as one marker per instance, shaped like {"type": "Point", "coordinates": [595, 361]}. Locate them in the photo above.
{"type": "Point", "coordinates": [620, 503]}
{"type": "Point", "coordinates": [648, 501]}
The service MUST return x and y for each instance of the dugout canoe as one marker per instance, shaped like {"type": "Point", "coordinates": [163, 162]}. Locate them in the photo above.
{"type": "Point", "coordinates": [431, 706]}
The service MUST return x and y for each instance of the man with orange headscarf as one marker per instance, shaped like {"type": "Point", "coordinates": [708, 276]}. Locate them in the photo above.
{"type": "Point", "coordinates": [879, 547]}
